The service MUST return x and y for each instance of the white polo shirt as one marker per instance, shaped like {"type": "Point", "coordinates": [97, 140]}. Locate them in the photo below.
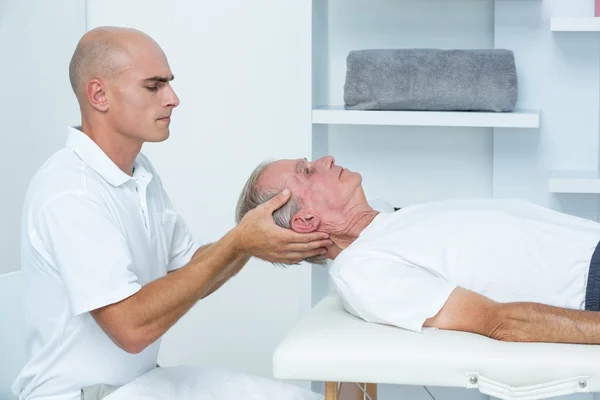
{"type": "Point", "coordinates": [404, 265]}
{"type": "Point", "coordinates": [91, 236]}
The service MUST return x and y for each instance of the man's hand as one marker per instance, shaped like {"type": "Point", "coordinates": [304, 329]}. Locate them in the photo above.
{"type": "Point", "coordinates": [260, 237]}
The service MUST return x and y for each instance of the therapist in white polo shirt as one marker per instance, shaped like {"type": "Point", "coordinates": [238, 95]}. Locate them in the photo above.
{"type": "Point", "coordinates": [108, 264]}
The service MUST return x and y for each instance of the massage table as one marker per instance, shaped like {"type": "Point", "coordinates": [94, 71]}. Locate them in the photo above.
{"type": "Point", "coordinates": [332, 346]}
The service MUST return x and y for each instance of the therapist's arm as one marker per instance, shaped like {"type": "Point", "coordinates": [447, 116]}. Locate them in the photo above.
{"type": "Point", "coordinates": [227, 273]}
{"type": "Point", "coordinates": [516, 322]}
{"type": "Point", "coordinates": [139, 320]}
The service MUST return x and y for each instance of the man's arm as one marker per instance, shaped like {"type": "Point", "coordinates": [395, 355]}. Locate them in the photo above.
{"type": "Point", "coordinates": [137, 321]}
{"type": "Point", "coordinates": [534, 322]}
{"type": "Point", "coordinates": [516, 322]}
{"type": "Point", "coordinates": [227, 273]}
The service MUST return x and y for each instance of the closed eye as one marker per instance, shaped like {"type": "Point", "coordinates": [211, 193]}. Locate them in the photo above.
{"type": "Point", "coordinates": [156, 85]}
{"type": "Point", "coordinates": [302, 168]}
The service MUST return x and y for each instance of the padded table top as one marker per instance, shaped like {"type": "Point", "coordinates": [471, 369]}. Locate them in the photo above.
{"type": "Point", "coordinates": [329, 344]}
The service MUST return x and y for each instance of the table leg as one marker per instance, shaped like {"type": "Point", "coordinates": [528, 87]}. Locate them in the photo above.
{"type": "Point", "coordinates": [331, 391]}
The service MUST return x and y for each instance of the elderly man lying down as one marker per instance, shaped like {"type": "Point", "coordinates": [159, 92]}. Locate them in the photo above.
{"type": "Point", "coordinates": [504, 268]}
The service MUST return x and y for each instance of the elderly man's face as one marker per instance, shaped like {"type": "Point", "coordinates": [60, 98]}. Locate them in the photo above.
{"type": "Point", "coordinates": [326, 190]}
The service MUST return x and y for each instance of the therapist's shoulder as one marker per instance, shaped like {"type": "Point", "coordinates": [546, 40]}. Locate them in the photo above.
{"type": "Point", "coordinates": [62, 174]}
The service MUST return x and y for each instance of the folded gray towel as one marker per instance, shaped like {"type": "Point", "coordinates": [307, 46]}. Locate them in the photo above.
{"type": "Point", "coordinates": [431, 79]}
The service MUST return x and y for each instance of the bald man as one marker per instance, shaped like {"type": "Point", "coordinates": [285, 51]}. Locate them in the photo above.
{"type": "Point", "coordinates": [108, 264]}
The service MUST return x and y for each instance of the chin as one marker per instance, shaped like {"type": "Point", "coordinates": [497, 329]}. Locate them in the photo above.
{"type": "Point", "coordinates": [165, 136]}
{"type": "Point", "coordinates": [159, 137]}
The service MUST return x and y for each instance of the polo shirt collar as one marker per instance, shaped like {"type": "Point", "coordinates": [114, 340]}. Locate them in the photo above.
{"type": "Point", "coordinates": [95, 158]}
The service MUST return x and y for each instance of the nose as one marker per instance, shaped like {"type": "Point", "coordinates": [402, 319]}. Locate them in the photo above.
{"type": "Point", "coordinates": [328, 161]}
{"type": "Point", "coordinates": [171, 99]}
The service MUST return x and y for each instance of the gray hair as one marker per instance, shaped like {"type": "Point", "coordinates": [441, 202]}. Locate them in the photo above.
{"type": "Point", "coordinates": [252, 196]}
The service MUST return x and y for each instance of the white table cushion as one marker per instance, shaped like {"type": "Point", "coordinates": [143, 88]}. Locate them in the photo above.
{"type": "Point", "coordinates": [330, 344]}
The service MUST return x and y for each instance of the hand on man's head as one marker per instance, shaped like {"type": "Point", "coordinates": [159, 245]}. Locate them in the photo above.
{"type": "Point", "coordinates": [261, 237]}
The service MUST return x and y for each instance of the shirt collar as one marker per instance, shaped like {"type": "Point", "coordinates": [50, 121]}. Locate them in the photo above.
{"type": "Point", "coordinates": [95, 158]}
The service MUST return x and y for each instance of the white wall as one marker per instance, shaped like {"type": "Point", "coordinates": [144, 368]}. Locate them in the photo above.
{"type": "Point", "coordinates": [242, 88]}
{"type": "Point", "coordinates": [37, 38]}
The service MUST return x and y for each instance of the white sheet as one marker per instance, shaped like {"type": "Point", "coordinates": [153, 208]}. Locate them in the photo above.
{"type": "Point", "coordinates": [197, 383]}
{"type": "Point", "coordinates": [329, 344]}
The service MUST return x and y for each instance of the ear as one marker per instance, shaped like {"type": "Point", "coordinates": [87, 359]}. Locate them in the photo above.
{"type": "Point", "coordinates": [304, 222]}
{"type": "Point", "coordinates": [97, 95]}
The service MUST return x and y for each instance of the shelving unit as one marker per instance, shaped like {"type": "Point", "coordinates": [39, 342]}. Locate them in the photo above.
{"type": "Point", "coordinates": [573, 181]}
{"type": "Point", "coordinates": [575, 24]}
{"type": "Point", "coordinates": [337, 115]}
{"type": "Point", "coordinates": [581, 182]}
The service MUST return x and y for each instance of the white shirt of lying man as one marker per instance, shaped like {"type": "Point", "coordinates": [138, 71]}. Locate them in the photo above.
{"type": "Point", "coordinates": [94, 236]}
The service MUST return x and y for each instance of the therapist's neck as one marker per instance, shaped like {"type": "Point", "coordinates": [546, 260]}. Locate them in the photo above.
{"type": "Point", "coordinates": [344, 234]}
{"type": "Point", "coordinates": [122, 150]}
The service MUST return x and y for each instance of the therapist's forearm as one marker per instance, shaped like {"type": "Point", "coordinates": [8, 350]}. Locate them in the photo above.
{"type": "Point", "coordinates": [141, 319]}
{"type": "Point", "coordinates": [534, 322]}
{"type": "Point", "coordinates": [227, 273]}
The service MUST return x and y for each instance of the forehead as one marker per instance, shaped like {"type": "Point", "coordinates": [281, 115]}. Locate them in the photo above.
{"type": "Point", "coordinates": [147, 59]}
{"type": "Point", "coordinates": [278, 174]}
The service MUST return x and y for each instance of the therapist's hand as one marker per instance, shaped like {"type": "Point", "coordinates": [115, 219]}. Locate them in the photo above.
{"type": "Point", "coordinates": [260, 237]}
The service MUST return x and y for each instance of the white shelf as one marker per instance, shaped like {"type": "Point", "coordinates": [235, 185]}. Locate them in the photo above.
{"type": "Point", "coordinates": [575, 24]}
{"type": "Point", "coordinates": [338, 115]}
{"type": "Point", "coordinates": [574, 182]}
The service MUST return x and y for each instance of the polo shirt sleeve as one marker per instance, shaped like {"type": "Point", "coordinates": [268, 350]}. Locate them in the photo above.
{"type": "Point", "coordinates": [181, 244]}
{"type": "Point", "coordinates": [89, 251]}
{"type": "Point", "coordinates": [390, 293]}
